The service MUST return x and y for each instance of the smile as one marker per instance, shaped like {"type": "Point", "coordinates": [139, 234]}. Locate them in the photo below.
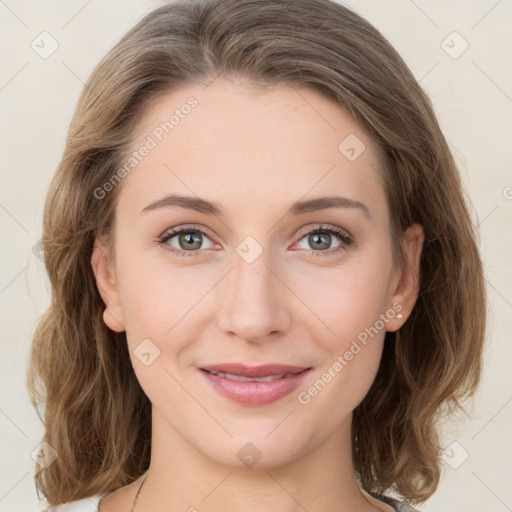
{"type": "Point", "coordinates": [254, 390]}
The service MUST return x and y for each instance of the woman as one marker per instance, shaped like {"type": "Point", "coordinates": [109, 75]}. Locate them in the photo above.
{"type": "Point", "coordinates": [266, 284]}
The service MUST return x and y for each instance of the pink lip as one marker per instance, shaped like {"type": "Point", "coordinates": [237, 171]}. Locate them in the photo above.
{"type": "Point", "coordinates": [255, 393]}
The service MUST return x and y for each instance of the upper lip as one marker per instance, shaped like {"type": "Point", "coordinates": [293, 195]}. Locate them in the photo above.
{"type": "Point", "coordinates": [254, 371]}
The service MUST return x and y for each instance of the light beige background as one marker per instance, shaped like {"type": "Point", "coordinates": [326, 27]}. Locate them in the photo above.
{"type": "Point", "coordinates": [472, 96]}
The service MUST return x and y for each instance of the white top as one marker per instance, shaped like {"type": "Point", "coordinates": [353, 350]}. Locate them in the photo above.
{"type": "Point", "coordinates": [90, 504]}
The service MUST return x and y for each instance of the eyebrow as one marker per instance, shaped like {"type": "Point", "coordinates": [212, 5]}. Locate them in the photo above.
{"type": "Point", "coordinates": [297, 208]}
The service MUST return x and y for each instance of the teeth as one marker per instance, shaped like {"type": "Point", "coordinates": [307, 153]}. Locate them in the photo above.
{"type": "Point", "coordinates": [242, 378]}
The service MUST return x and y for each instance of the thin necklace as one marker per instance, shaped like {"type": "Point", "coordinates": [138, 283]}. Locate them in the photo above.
{"type": "Point", "coordinates": [138, 492]}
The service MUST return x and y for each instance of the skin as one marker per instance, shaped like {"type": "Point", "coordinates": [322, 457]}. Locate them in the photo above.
{"type": "Point", "coordinates": [254, 152]}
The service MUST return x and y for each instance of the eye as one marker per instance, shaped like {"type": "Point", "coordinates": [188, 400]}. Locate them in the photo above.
{"type": "Point", "coordinates": [188, 240]}
{"type": "Point", "coordinates": [321, 238]}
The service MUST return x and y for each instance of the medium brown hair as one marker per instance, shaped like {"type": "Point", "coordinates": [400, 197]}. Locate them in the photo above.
{"type": "Point", "coordinates": [96, 415]}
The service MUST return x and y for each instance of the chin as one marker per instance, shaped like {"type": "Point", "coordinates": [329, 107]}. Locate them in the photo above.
{"type": "Point", "coordinates": [258, 450]}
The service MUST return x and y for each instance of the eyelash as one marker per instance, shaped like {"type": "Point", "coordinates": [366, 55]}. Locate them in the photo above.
{"type": "Point", "coordinates": [339, 233]}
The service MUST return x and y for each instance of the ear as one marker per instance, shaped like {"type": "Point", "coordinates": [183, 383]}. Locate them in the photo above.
{"type": "Point", "coordinates": [104, 272]}
{"type": "Point", "coordinates": [405, 285]}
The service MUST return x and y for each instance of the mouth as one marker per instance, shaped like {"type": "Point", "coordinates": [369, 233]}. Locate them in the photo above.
{"type": "Point", "coordinates": [242, 378]}
{"type": "Point", "coordinates": [265, 370]}
{"type": "Point", "coordinates": [254, 385]}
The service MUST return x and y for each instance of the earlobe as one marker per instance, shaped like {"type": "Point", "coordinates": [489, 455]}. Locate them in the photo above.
{"type": "Point", "coordinates": [407, 286]}
{"type": "Point", "coordinates": [104, 273]}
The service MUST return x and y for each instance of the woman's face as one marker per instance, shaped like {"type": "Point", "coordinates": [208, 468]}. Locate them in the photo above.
{"type": "Point", "coordinates": [261, 286]}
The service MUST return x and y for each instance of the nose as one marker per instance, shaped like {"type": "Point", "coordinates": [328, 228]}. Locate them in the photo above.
{"type": "Point", "coordinates": [254, 300]}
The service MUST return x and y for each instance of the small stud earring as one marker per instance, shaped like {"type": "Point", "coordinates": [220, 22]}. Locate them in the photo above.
{"type": "Point", "coordinates": [398, 316]}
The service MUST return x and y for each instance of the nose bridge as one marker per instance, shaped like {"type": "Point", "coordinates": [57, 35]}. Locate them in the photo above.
{"type": "Point", "coordinates": [253, 299]}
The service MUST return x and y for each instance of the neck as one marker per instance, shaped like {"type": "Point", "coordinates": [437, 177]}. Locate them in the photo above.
{"type": "Point", "coordinates": [318, 480]}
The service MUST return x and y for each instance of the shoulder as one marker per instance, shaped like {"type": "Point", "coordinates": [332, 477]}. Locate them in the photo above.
{"type": "Point", "coordinates": [399, 506]}
{"type": "Point", "coordinates": [89, 504]}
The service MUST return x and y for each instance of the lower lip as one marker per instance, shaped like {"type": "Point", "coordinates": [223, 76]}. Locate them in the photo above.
{"type": "Point", "coordinates": [255, 393]}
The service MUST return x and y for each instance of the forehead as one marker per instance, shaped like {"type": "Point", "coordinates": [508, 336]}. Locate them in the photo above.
{"type": "Point", "coordinates": [247, 145]}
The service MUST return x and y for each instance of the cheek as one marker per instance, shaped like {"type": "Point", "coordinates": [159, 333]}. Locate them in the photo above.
{"type": "Point", "coordinates": [152, 293]}
{"type": "Point", "coordinates": [348, 322]}
{"type": "Point", "coordinates": [163, 304]}
{"type": "Point", "coordinates": [346, 302]}
{"type": "Point", "coordinates": [345, 377]}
